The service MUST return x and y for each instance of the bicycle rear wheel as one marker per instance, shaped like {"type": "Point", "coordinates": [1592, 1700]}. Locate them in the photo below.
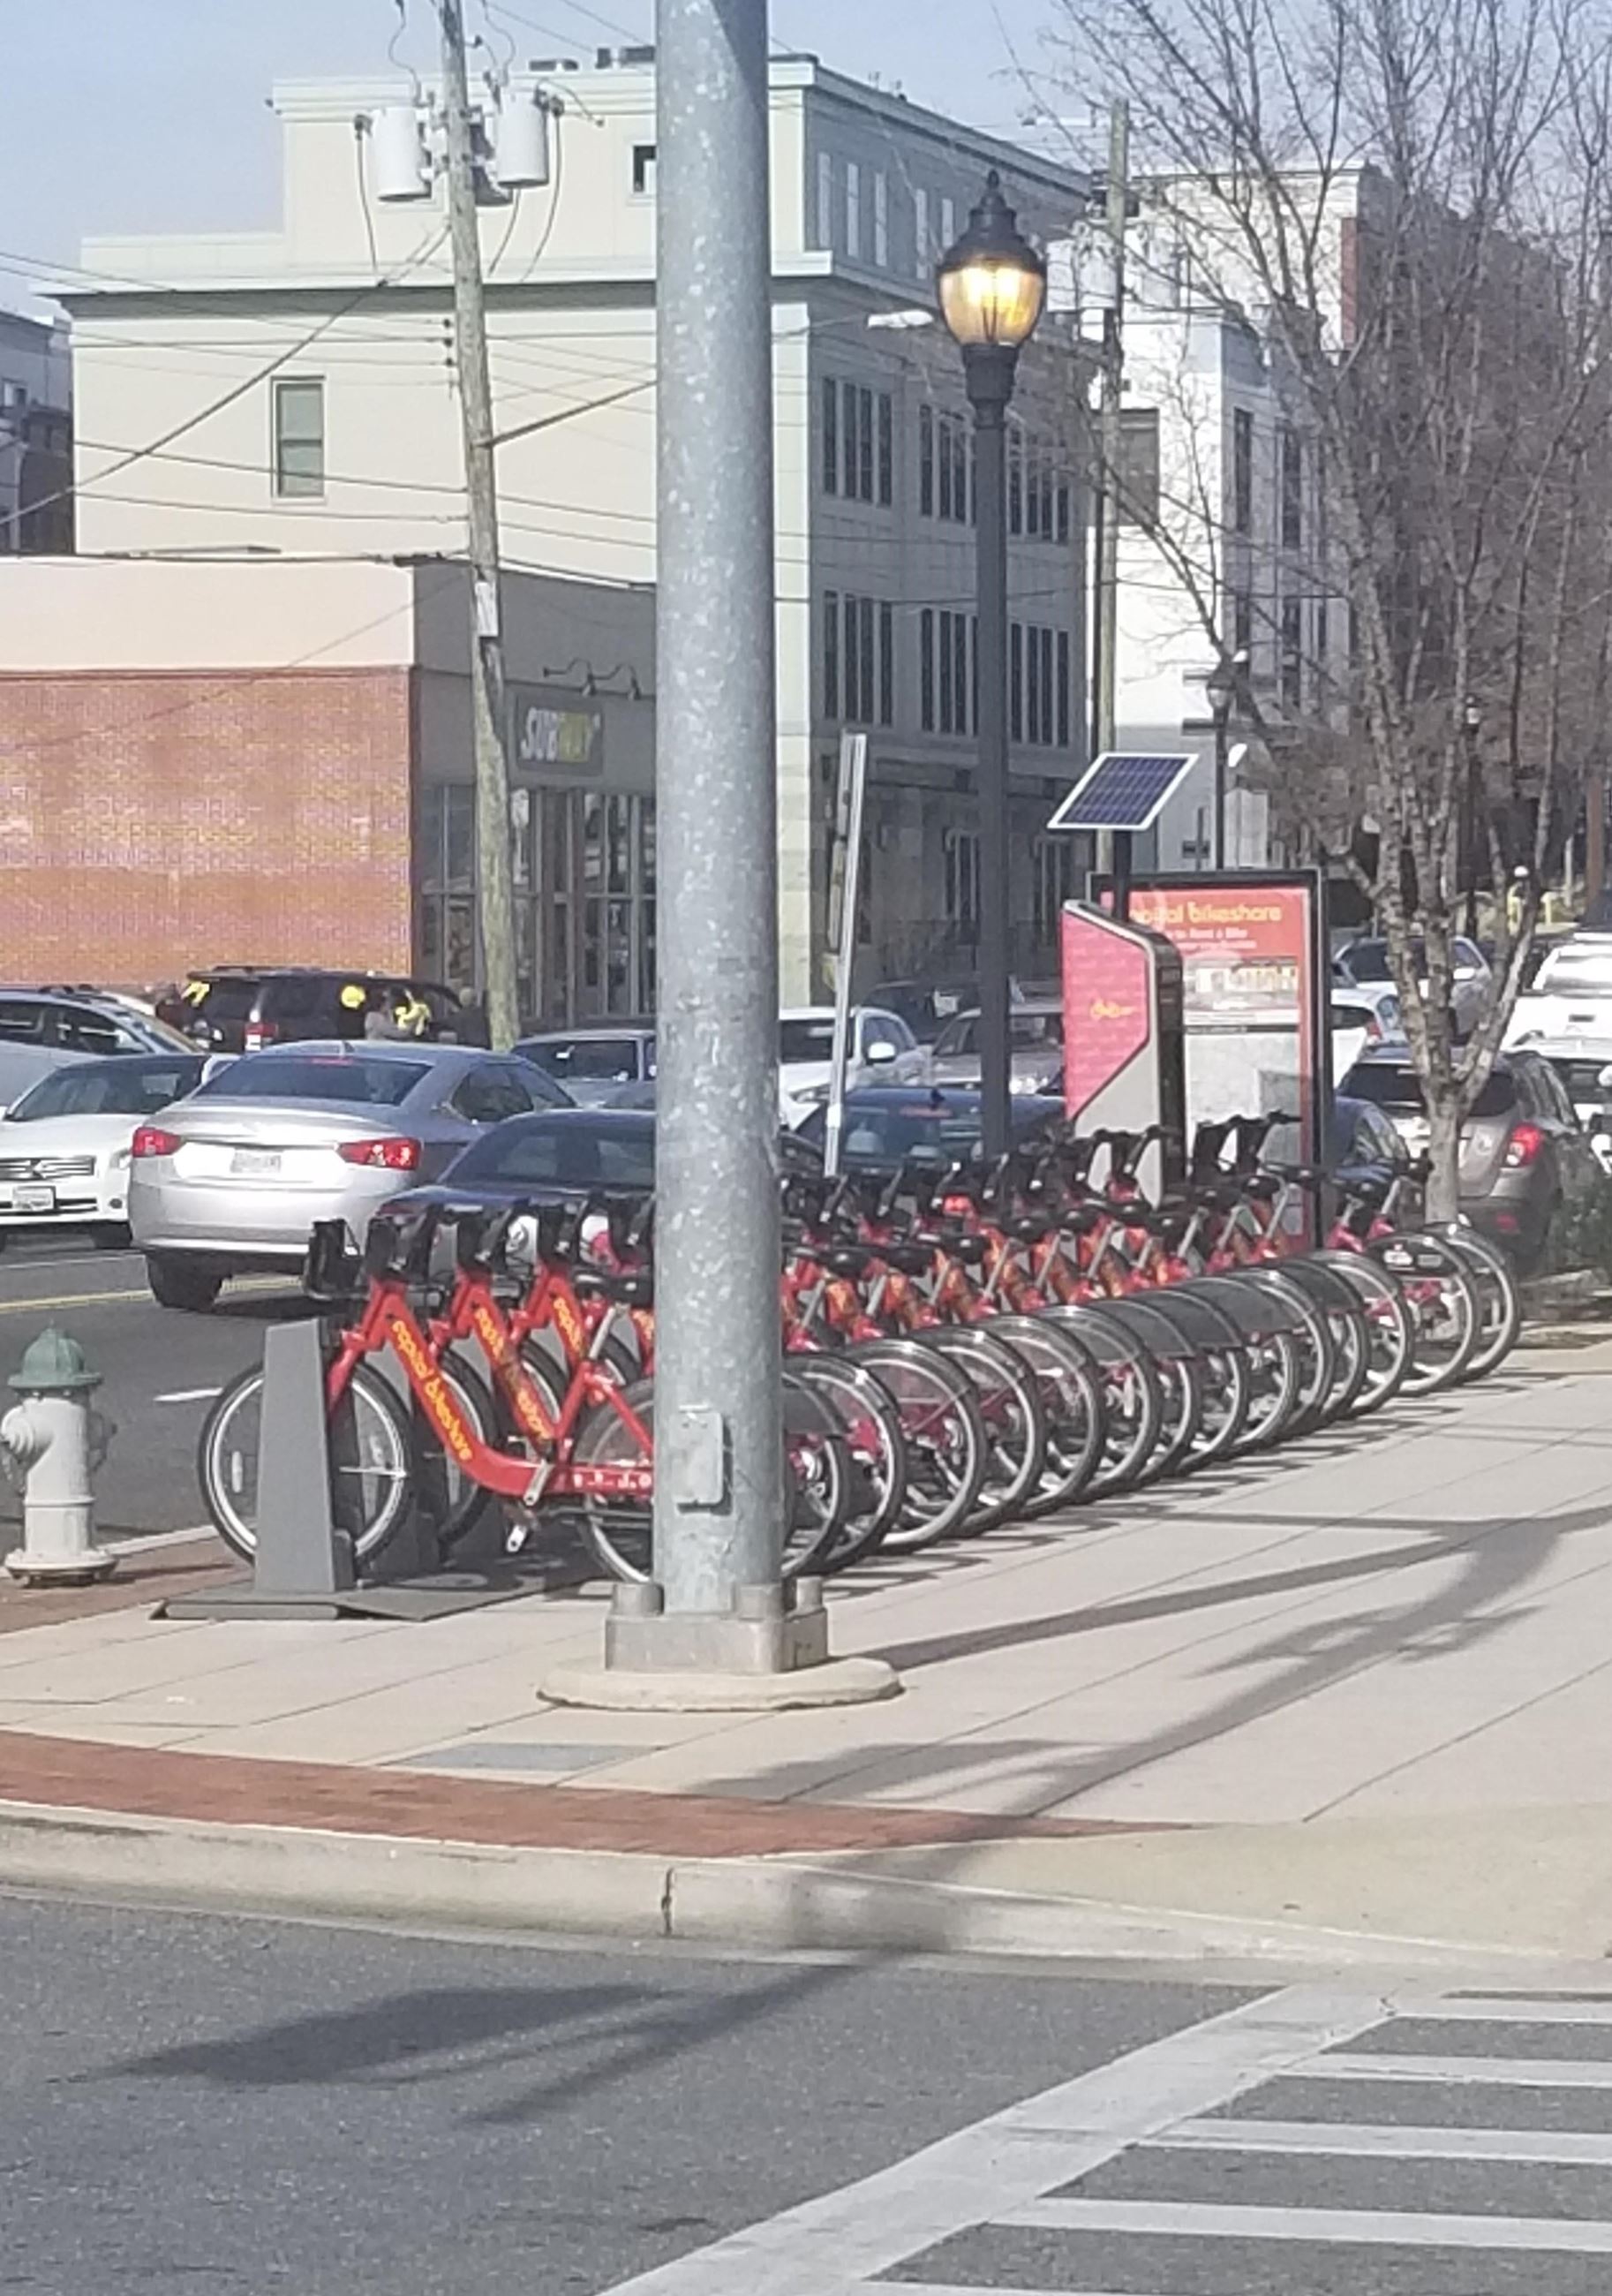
{"type": "Point", "coordinates": [1071, 1399]}
{"type": "Point", "coordinates": [871, 1425]}
{"type": "Point", "coordinates": [1131, 1399]}
{"type": "Point", "coordinates": [1010, 1405]}
{"type": "Point", "coordinates": [1390, 1328]}
{"type": "Point", "coordinates": [944, 1433]}
{"type": "Point", "coordinates": [1223, 1365]}
{"type": "Point", "coordinates": [1442, 1292]}
{"type": "Point", "coordinates": [371, 1460]}
{"type": "Point", "coordinates": [1499, 1300]}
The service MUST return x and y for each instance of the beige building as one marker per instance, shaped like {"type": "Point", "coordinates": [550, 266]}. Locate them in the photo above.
{"type": "Point", "coordinates": [308, 373]}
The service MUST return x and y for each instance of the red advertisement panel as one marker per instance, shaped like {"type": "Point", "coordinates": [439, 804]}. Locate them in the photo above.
{"type": "Point", "coordinates": [1105, 1005]}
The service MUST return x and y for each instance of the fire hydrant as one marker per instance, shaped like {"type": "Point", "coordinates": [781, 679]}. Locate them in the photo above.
{"type": "Point", "coordinates": [51, 1444]}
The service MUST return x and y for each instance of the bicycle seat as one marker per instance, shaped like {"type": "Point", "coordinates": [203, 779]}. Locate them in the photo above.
{"type": "Point", "coordinates": [635, 1288]}
{"type": "Point", "coordinates": [910, 1259]}
{"type": "Point", "coordinates": [1031, 1227]}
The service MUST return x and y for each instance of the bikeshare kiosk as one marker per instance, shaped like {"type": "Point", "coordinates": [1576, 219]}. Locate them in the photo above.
{"type": "Point", "coordinates": [1123, 1053]}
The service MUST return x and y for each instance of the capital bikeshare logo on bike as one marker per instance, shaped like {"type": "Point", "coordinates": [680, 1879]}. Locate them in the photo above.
{"type": "Point", "coordinates": [432, 1390]}
{"type": "Point", "coordinates": [511, 1375]}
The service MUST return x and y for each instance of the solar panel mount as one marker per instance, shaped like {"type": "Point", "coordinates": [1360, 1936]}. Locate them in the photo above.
{"type": "Point", "coordinates": [1124, 789]}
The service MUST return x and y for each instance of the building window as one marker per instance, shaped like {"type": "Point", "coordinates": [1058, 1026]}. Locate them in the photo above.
{"type": "Point", "coordinates": [959, 853]}
{"type": "Point", "coordinates": [945, 459]}
{"type": "Point", "coordinates": [858, 658]}
{"type": "Point", "coordinates": [926, 670]}
{"type": "Point", "coordinates": [1138, 473]}
{"type": "Point", "coordinates": [298, 438]}
{"type": "Point", "coordinates": [1063, 510]}
{"type": "Point", "coordinates": [887, 664]}
{"type": "Point", "coordinates": [1292, 491]}
{"type": "Point", "coordinates": [825, 201]}
{"type": "Point", "coordinates": [1063, 692]}
{"type": "Point", "coordinates": [852, 211]}
{"type": "Point", "coordinates": [1016, 680]}
{"type": "Point", "coordinates": [1015, 482]}
{"type": "Point", "coordinates": [948, 671]}
{"type": "Point", "coordinates": [1242, 470]}
{"type": "Point", "coordinates": [949, 224]}
{"type": "Point", "coordinates": [1323, 667]}
{"type": "Point", "coordinates": [881, 222]}
{"type": "Point", "coordinates": [1039, 693]}
{"type": "Point", "coordinates": [830, 653]}
{"type": "Point", "coordinates": [1292, 654]}
{"type": "Point", "coordinates": [926, 462]}
{"type": "Point", "coordinates": [830, 435]}
{"type": "Point", "coordinates": [921, 232]}
{"type": "Point", "coordinates": [1054, 884]}
{"type": "Point", "coordinates": [858, 450]}
{"type": "Point", "coordinates": [1242, 622]}
{"type": "Point", "coordinates": [644, 171]}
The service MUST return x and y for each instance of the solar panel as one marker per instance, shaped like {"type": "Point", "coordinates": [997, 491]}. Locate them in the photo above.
{"type": "Point", "coordinates": [1123, 788]}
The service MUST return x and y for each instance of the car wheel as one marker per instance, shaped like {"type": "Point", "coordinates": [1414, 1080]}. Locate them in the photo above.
{"type": "Point", "coordinates": [177, 1283]}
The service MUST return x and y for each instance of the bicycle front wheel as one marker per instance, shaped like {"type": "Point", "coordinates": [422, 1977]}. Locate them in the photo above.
{"type": "Point", "coordinates": [371, 1463]}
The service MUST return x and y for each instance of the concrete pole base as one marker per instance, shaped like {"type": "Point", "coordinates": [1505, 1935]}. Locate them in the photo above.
{"type": "Point", "coordinates": [836, 1682]}
{"type": "Point", "coordinates": [85, 1569]}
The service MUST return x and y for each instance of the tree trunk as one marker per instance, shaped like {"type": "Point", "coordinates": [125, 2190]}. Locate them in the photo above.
{"type": "Point", "coordinates": [1444, 1155]}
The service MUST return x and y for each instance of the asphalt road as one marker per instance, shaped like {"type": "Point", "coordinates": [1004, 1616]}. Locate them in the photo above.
{"type": "Point", "coordinates": [159, 1366]}
{"type": "Point", "coordinates": [241, 2105]}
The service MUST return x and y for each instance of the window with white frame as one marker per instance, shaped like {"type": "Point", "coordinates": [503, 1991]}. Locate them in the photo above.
{"type": "Point", "coordinates": [856, 436]}
{"type": "Point", "coordinates": [825, 199]}
{"type": "Point", "coordinates": [960, 862]}
{"type": "Point", "coordinates": [921, 259]}
{"type": "Point", "coordinates": [881, 221]}
{"type": "Point", "coordinates": [852, 211]}
{"type": "Point", "coordinates": [299, 440]}
{"type": "Point", "coordinates": [858, 658]}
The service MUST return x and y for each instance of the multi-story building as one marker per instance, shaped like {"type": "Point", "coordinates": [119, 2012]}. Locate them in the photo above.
{"type": "Point", "coordinates": [304, 380]}
{"type": "Point", "coordinates": [36, 437]}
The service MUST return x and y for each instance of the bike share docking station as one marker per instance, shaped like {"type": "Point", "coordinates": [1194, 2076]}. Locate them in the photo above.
{"type": "Point", "coordinates": [303, 1565]}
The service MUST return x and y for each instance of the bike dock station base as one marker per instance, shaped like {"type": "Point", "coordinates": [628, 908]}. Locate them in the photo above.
{"type": "Point", "coordinates": [304, 1567]}
{"type": "Point", "coordinates": [769, 1655]}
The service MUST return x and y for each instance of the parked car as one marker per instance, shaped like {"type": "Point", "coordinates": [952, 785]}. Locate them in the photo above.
{"type": "Point", "coordinates": [1523, 1150]}
{"type": "Point", "coordinates": [81, 1023]}
{"type": "Point", "coordinates": [241, 1008]}
{"type": "Point", "coordinates": [926, 1006]}
{"type": "Point", "coordinates": [564, 1153]}
{"type": "Point", "coordinates": [881, 1045]}
{"type": "Point", "coordinates": [592, 1064]}
{"type": "Point", "coordinates": [1361, 1018]}
{"type": "Point", "coordinates": [64, 1144]}
{"type": "Point", "coordinates": [234, 1177]}
{"type": "Point", "coordinates": [1034, 1040]}
{"type": "Point", "coordinates": [887, 1125]}
{"type": "Point", "coordinates": [1364, 964]}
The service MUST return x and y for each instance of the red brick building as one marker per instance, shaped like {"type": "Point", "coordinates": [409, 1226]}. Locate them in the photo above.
{"type": "Point", "coordinates": [269, 761]}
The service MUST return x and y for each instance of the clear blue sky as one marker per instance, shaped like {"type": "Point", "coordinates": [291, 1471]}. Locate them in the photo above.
{"type": "Point", "coordinates": [148, 115]}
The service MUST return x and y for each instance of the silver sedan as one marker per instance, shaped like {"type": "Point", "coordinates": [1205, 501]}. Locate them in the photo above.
{"type": "Point", "coordinates": [233, 1179]}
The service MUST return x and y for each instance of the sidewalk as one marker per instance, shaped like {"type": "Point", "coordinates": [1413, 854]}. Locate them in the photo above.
{"type": "Point", "coordinates": [1351, 1702]}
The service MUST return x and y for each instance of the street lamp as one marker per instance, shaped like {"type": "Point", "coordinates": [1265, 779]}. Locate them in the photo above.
{"type": "Point", "coordinates": [991, 285]}
{"type": "Point", "coordinates": [1471, 724]}
{"type": "Point", "coordinates": [1221, 688]}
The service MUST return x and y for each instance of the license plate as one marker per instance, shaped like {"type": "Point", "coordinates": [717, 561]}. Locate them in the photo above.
{"type": "Point", "coordinates": [33, 1196]}
{"type": "Point", "coordinates": [255, 1163]}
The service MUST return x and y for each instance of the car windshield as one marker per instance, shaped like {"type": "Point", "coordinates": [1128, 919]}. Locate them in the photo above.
{"type": "Point", "coordinates": [562, 1155]}
{"type": "Point", "coordinates": [592, 1060]}
{"type": "Point", "coordinates": [916, 1131]}
{"type": "Point", "coordinates": [1576, 972]}
{"type": "Point", "coordinates": [805, 1040]}
{"type": "Point", "coordinates": [1368, 960]}
{"type": "Point", "coordinates": [122, 1087]}
{"type": "Point", "coordinates": [225, 1000]}
{"type": "Point", "coordinates": [301, 1076]}
{"type": "Point", "coordinates": [1400, 1088]}
{"type": "Point", "coordinates": [1027, 1032]}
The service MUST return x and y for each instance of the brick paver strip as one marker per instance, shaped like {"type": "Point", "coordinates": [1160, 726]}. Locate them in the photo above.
{"type": "Point", "coordinates": [331, 1798]}
{"type": "Point", "coordinates": [149, 1577]}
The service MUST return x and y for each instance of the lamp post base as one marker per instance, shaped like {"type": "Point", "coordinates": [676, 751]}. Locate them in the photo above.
{"type": "Point", "coordinates": [769, 1653]}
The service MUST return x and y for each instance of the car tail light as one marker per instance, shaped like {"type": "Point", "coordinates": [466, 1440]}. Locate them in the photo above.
{"type": "Point", "coordinates": [1526, 1142]}
{"type": "Point", "coordinates": [152, 1140]}
{"type": "Point", "coordinates": [392, 1154]}
{"type": "Point", "coordinates": [259, 1033]}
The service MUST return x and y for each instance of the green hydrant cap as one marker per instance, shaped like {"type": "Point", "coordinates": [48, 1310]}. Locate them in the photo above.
{"type": "Point", "coordinates": [54, 1364]}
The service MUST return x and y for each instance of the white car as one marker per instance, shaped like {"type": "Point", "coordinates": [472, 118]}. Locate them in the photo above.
{"type": "Point", "coordinates": [1361, 1018]}
{"type": "Point", "coordinates": [64, 1143]}
{"type": "Point", "coordinates": [883, 1050]}
{"type": "Point", "coordinates": [1364, 964]}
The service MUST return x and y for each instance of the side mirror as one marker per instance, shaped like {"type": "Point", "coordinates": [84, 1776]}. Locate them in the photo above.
{"type": "Point", "coordinates": [879, 1055]}
{"type": "Point", "coordinates": [1605, 1078]}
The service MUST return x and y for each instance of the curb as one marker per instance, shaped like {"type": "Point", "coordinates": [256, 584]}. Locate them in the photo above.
{"type": "Point", "coordinates": [776, 1904]}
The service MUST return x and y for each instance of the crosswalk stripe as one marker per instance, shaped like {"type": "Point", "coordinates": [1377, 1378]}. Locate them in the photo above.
{"type": "Point", "coordinates": [1363, 2227]}
{"type": "Point", "coordinates": [1461, 2072]}
{"type": "Point", "coordinates": [1390, 2141]}
{"type": "Point", "coordinates": [1501, 2009]}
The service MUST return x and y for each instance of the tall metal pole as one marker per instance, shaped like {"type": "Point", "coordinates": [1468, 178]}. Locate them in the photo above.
{"type": "Point", "coordinates": [1106, 681]}
{"type": "Point", "coordinates": [495, 866]}
{"type": "Point", "coordinates": [988, 371]}
{"type": "Point", "coordinates": [718, 1463]}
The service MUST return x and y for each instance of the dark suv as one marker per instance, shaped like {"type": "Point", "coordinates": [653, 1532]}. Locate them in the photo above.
{"type": "Point", "coordinates": [231, 1008]}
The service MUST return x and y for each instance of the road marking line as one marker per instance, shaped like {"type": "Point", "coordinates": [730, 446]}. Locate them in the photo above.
{"type": "Point", "coordinates": [1451, 2072]}
{"type": "Point", "coordinates": [1501, 2009]}
{"type": "Point", "coordinates": [105, 1299]}
{"type": "Point", "coordinates": [1365, 2227]}
{"type": "Point", "coordinates": [188, 1395]}
{"type": "Point", "coordinates": [835, 2244]}
{"type": "Point", "coordinates": [1389, 2140]}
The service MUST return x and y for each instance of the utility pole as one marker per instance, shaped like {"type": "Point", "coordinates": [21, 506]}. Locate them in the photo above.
{"type": "Point", "coordinates": [1105, 681]}
{"type": "Point", "coordinates": [494, 869]}
{"type": "Point", "coordinates": [716, 1625]}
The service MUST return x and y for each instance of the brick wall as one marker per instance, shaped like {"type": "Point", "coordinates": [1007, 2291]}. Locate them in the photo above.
{"type": "Point", "coordinates": [148, 823]}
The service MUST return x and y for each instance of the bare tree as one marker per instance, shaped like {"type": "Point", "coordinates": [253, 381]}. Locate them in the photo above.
{"type": "Point", "coordinates": [1415, 197]}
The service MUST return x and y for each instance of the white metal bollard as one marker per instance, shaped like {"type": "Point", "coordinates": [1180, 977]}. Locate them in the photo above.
{"type": "Point", "coordinates": [51, 1444]}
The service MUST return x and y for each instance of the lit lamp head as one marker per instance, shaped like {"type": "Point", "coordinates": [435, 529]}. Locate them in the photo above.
{"type": "Point", "coordinates": [992, 284]}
